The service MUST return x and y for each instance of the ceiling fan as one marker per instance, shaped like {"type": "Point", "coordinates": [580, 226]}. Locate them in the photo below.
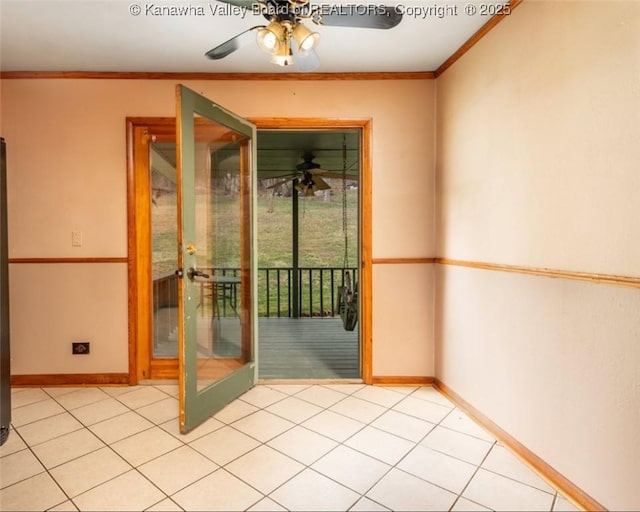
{"type": "Point", "coordinates": [309, 176]}
{"type": "Point", "coordinates": [286, 38]}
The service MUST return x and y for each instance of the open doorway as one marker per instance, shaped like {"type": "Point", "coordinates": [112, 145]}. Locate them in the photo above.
{"type": "Point", "coordinates": [308, 253]}
{"type": "Point", "coordinates": [152, 288]}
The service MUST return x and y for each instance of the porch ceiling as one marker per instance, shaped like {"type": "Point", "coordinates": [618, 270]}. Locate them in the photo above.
{"type": "Point", "coordinates": [279, 151]}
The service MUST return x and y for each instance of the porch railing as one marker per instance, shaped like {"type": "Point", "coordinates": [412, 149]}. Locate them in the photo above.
{"type": "Point", "coordinates": [317, 291]}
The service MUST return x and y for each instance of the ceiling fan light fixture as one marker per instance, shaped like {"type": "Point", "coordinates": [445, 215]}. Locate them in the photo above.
{"type": "Point", "coordinates": [283, 57]}
{"type": "Point", "coordinates": [307, 187]}
{"type": "Point", "coordinates": [306, 190]}
{"type": "Point", "coordinates": [271, 38]}
{"type": "Point", "coordinates": [305, 38]}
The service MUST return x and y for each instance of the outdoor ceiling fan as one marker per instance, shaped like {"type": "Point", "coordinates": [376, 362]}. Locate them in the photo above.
{"type": "Point", "coordinates": [309, 176]}
{"type": "Point", "coordinates": [286, 38]}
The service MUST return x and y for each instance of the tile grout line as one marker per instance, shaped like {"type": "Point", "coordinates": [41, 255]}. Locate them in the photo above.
{"type": "Point", "coordinates": [460, 495]}
{"type": "Point", "coordinates": [137, 468]}
{"type": "Point", "coordinates": [416, 444]}
{"type": "Point", "coordinates": [391, 466]}
{"type": "Point", "coordinates": [132, 467]}
{"type": "Point", "coordinates": [109, 445]}
{"type": "Point", "coordinates": [263, 408]}
{"type": "Point", "coordinates": [296, 423]}
{"type": "Point", "coordinates": [299, 424]}
{"type": "Point", "coordinates": [493, 446]}
{"type": "Point", "coordinates": [223, 466]}
{"type": "Point", "coordinates": [342, 444]}
{"type": "Point", "coordinates": [45, 470]}
{"type": "Point", "coordinates": [30, 447]}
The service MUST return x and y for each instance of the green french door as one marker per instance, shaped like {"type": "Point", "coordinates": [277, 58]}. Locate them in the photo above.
{"type": "Point", "coordinates": [216, 256]}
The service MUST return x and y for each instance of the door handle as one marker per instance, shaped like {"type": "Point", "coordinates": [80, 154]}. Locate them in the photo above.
{"type": "Point", "coordinates": [192, 273]}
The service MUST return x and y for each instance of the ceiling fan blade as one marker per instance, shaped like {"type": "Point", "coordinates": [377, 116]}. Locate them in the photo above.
{"type": "Point", "coordinates": [284, 176]}
{"type": "Point", "coordinates": [360, 16]}
{"type": "Point", "coordinates": [334, 175]}
{"type": "Point", "coordinates": [320, 183]}
{"type": "Point", "coordinates": [230, 46]}
{"type": "Point", "coordinates": [307, 61]}
{"type": "Point", "coordinates": [240, 3]}
{"type": "Point", "coordinates": [282, 182]}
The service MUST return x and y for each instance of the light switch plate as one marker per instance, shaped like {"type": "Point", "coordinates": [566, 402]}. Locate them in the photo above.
{"type": "Point", "coordinates": [76, 238]}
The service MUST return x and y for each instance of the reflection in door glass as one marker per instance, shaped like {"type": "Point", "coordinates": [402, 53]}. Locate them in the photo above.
{"type": "Point", "coordinates": [222, 212]}
{"type": "Point", "coordinates": [164, 246]}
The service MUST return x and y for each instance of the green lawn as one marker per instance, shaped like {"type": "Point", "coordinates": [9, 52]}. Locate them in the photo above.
{"type": "Point", "coordinates": [321, 241]}
{"type": "Point", "coordinates": [321, 237]}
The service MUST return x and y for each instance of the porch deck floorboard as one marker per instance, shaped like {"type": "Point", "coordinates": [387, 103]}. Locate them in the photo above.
{"type": "Point", "coordinates": [307, 348]}
{"type": "Point", "coordinates": [288, 348]}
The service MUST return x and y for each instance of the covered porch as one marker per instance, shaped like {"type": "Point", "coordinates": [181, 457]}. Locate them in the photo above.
{"type": "Point", "coordinates": [313, 345]}
{"type": "Point", "coordinates": [289, 348]}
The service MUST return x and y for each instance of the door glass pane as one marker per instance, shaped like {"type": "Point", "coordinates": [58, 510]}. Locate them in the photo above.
{"type": "Point", "coordinates": [164, 246]}
{"type": "Point", "coordinates": [223, 247]}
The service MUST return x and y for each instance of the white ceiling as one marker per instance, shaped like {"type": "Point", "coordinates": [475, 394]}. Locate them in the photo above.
{"type": "Point", "coordinates": [102, 35]}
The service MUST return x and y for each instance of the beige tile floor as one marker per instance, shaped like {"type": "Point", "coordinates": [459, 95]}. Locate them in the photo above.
{"type": "Point", "coordinates": [278, 447]}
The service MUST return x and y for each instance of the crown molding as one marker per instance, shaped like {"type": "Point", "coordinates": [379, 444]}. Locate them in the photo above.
{"type": "Point", "coordinates": [471, 42]}
{"type": "Point", "coordinates": [126, 75]}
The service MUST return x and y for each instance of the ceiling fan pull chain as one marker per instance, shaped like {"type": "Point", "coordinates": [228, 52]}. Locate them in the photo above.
{"type": "Point", "coordinates": [348, 292]}
{"type": "Point", "coordinates": [344, 200]}
{"type": "Point", "coordinates": [304, 206]}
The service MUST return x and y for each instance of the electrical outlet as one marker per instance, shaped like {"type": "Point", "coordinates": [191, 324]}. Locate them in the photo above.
{"type": "Point", "coordinates": [80, 347]}
{"type": "Point", "coordinates": [76, 238]}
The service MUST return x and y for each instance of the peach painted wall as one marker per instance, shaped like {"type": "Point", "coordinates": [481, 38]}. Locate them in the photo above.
{"type": "Point", "coordinates": [67, 155]}
{"type": "Point", "coordinates": [403, 318]}
{"type": "Point", "coordinates": [56, 304]}
{"type": "Point", "coordinates": [537, 165]}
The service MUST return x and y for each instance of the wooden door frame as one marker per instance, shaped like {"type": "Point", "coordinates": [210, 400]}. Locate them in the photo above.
{"type": "Point", "coordinates": [140, 131]}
